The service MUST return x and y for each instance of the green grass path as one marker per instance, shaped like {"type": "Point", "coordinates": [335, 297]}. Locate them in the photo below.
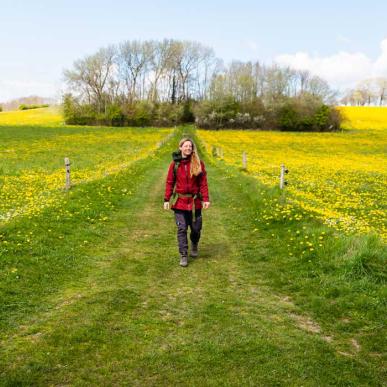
{"type": "Point", "coordinates": [135, 317]}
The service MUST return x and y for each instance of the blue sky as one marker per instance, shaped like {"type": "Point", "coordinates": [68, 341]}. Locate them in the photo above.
{"type": "Point", "coordinates": [343, 41]}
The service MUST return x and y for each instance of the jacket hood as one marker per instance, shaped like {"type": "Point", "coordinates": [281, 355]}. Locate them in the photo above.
{"type": "Point", "coordinates": [176, 156]}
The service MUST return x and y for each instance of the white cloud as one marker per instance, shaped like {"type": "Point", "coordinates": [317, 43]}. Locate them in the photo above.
{"type": "Point", "coordinates": [341, 70]}
{"type": "Point", "coordinates": [380, 65]}
{"type": "Point", "coordinates": [15, 89]}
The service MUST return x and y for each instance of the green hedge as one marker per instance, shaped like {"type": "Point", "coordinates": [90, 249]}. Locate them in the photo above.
{"type": "Point", "coordinates": [28, 107]}
{"type": "Point", "coordinates": [295, 116]}
{"type": "Point", "coordinates": [291, 114]}
{"type": "Point", "coordinates": [141, 113]}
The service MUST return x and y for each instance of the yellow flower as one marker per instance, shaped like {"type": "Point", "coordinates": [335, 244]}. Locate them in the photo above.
{"type": "Point", "coordinates": [339, 178]}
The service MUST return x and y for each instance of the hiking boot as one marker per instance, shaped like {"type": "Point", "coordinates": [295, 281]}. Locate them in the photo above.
{"type": "Point", "coordinates": [183, 260]}
{"type": "Point", "coordinates": [194, 250]}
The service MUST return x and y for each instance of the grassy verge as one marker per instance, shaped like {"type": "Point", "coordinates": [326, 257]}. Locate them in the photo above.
{"type": "Point", "coordinates": [40, 253]}
{"type": "Point", "coordinates": [337, 280]}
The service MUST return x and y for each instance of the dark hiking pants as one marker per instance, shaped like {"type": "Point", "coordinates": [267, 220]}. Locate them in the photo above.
{"type": "Point", "coordinates": [183, 220]}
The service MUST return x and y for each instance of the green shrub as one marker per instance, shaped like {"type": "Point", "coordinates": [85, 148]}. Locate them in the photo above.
{"type": "Point", "coordinates": [167, 114]}
{"type": "Point", "coordinates": [187, 115]}
{"type": "Point", "coordinates": [140, 114]}
{"type": "Point", "coordinates": [115, 115]}
{"type": "Point", "coordinates": [230, 113]}
{"type": "Point", "coordinates": [217, 114]}
{"type": "Point", "coordinates": [86, 115]}
{"type": "Point", "coordinates": [299, 115]}
{"type": "Point", "coordinates": [288, 118]}
{"type": "Point", "coordinates": [78, 114]}
{"type": "Point", "coordinates": [69, 110]}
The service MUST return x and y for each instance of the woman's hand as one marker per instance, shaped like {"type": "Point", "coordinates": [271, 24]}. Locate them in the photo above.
{"type": "Point", "coordinates": [166, 205]}
{"type": "Point", "coordinates": [206, 205]}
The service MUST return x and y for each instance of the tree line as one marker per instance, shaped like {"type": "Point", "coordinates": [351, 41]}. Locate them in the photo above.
{"type": "Point", "coordinates": [172, 81]}
{"type": "Point", "coordinates": [371, 91]}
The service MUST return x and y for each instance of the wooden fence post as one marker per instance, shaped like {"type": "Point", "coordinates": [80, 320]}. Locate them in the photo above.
{"type": "Point", "coordinates": [284, 171]}
{"type": "Point", "coordinates": [217, 151]}
{"type": "Point", "coordinates": [244, 160]}
{"type": "Point", "coordinates": [67, 166]}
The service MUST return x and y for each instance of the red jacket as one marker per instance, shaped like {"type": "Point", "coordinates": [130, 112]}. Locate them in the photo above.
{"type": "Point", "coordinates": [186, 184]}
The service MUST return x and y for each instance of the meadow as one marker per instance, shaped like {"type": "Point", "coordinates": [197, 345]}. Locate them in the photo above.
{"type": "Point", "coordinates": [340, 178]}
{"type": "Point", "coordinates": [364, 117]}
{"type": "Point", "coordinates": [35, 117]}
{"type": "Point", "coordinates": [34, 143]}
{"type": "Point", "coordinates": [90, 286]}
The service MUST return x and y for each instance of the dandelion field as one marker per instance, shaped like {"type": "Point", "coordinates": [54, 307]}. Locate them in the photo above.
{"type": "Point", "coordinates": [92, 291]}
{"type": "Point", "coordinates": [51, 116]}
{"type": "Point", "coordinates": [32, 173]}
{"type": "Point", "coordinates": [364, 117]}
{"type": "Point", "coordinates": [340, 178]}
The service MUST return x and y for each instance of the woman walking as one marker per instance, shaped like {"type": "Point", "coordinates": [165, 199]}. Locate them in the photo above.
{"type": "Point", "coordinates": [187, 186]}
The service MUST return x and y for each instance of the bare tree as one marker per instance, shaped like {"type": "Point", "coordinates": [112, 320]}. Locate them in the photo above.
{"type": "Point", "coordinates": [371, 91]}
{"type": "Point", "coordinates": [381, 90]}
{"type": "Point", "coordinates": [134, 60]}
{"type": "Point", "coordinates": [160, 59]}
{"type": "Point", "coordinates": [92, 75]}
{"type": "Point", "coordinates": [318, 87]}
{"type": "Point", "coordinates": [176, 71]}
{"type": "Point", "coordinates": [276, 83]}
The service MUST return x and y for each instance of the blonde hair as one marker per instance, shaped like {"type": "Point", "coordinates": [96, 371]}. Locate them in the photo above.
{"type": "Point", "coordinates": [196, 167]}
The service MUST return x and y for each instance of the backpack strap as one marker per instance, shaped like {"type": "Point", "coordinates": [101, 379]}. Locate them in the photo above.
{"type": "Point", "coordinates": [174, 194]}
{"type": "Point", "coordinates": [177, 163]}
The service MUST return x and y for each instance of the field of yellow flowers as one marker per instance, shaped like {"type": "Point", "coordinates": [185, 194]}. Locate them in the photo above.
{"type": "Point", "coordinates": [33, 146]}
{"type": "Point", "coordinates": [51, 116]}
{"type": "Point", "coordinates": [340, 178]}
{"type": "Point", "coordinates": [364, 117]}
